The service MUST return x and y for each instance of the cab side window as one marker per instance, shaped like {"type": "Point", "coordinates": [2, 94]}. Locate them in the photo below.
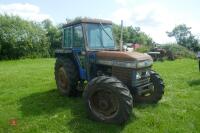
{"type": "Point", "coordinates": [78, 39]}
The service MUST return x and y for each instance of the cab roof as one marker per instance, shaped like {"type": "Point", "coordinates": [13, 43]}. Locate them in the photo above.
{"type": "Point", "coordinates": [87, 20]}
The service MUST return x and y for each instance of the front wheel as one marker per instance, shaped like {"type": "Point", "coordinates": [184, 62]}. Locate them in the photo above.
{"type": "Point", "coordinates": [108, 100]}
{"type": "Point", "coordinates": [157, 90]}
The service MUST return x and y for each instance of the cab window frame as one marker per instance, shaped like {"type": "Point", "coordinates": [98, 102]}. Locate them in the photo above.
{"type": "Point", "coordinates": [71, 37]}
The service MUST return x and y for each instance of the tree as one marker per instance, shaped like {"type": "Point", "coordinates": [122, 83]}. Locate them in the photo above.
{"type": "Point", "coordinates": [54, 34]}
{"type": "Point", "coordinates": [184, 37]}
{"type": "Point", "coordinates": [20, 38]}
{"type": "Point", "coordinates": [132, 35]}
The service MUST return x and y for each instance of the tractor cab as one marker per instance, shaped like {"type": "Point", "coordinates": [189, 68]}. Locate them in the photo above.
{"type": "Point", "coordinates": [110, 80]}
{"type": "Point", "coordinates": [89, 34]}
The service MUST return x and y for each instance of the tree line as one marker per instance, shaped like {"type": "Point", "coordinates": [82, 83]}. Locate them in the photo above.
{"type": "Point", "coordinates": [20, 38]}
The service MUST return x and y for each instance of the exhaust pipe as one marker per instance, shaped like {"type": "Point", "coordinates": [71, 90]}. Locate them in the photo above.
{"type": "Point", "coordinates": [121, 36]}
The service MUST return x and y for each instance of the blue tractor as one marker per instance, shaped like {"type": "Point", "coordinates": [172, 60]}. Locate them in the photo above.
{"type": "Point", "coordinates": [110, 80]}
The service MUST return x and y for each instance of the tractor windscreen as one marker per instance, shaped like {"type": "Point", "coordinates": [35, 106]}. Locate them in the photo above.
{"type": "Point", "coordinates": [100, 36]}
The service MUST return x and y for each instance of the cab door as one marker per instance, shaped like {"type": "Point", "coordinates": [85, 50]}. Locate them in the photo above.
{"type": "Point", "coordinates": [78, 49]}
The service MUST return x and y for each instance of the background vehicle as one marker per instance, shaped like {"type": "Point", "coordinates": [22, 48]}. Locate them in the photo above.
{"type": "Point", "coordinates": [115, 79]}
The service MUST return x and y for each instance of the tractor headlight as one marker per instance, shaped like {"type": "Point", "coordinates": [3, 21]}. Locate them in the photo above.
{"type": "Point", "coordinates": [145, 63]}
{"type": "Point", "coordinates": [138, 75]}
{"type": "Point", "coordinates": [142, 74]}
{"type": "Point", "coordinates": [147, 73]}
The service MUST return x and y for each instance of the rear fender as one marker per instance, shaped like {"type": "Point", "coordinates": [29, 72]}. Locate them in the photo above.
{"type": "Point", "coordinates": [62, 53]}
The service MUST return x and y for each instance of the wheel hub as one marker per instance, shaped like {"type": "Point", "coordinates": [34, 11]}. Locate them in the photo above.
{"type": "Point", "coordinates": [104, 103]}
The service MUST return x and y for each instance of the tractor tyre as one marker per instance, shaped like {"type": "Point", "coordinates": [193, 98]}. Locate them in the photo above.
{"type": "Point", "coordinates": [155, 95]}
{"type": "Point", "coordinates": [66, 76]}
{"type": "Point", "coordinates": [108, 100]}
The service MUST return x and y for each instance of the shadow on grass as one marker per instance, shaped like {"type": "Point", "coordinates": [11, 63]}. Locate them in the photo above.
{"type": "Point", "coordinates": [50, 102]}
{"type": "Point", "coordinates": [194, 82]}
{"type": "Point", "coordinates": [143, 106]}
{"type": "Point", "coordinates": [47, 103]}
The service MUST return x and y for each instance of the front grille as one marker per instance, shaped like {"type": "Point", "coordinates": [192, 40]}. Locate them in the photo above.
{"type": "Point", "coordinates": [141, 82]}
{"type": "Point", "coordinates": [128, 76]}
{"type": "Point", "coordinates": [123, 74]}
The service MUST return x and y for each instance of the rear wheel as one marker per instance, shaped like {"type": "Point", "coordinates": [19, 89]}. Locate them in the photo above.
{"type": "Point", "coordinates": [108, 100]}
{"type": "Point", "coordinates": [66, 76]}
{"type": "Point", "coordinates": [157, 90]}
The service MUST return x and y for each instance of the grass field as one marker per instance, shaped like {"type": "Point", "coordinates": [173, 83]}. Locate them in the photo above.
{"type": "Point", "coordinates": [28, 96]}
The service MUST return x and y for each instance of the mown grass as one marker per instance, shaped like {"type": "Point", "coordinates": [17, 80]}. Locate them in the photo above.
{"type": "Point", "coordinates": [28, 95]}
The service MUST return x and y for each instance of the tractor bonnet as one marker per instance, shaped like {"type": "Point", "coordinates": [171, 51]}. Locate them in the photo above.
{"type": "Point", "coordinates": [124, 56]}
{"type": "Point", "coordinates": [124, 59]}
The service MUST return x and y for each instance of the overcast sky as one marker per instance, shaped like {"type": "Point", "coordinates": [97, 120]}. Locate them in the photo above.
{"type": "Point", "coordinates": [155, 17]}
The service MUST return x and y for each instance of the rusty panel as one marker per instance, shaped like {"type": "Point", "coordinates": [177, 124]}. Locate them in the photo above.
{"type": "Point", "coordinates": [123, 74]}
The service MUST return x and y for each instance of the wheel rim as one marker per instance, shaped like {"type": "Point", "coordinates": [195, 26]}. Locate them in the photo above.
{"type": "Point", "coordinates": [62, 78]}
{"type": "Point", "coordinates": [104, 104]}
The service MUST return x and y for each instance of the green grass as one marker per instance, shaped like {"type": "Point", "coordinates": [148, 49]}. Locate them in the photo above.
{"type": "Point", "coordinates": [28, 94]}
